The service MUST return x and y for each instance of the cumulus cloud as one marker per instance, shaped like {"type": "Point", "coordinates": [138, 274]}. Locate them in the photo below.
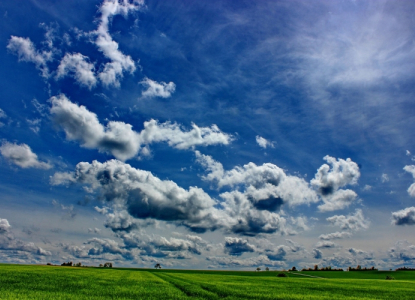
{"type": "Point", "coordinates": [404, 217]}
{"type": "Point", "coordinates": [326, 244]}
{"type": "Point", "coordinates": [157, 89]}
{"type": "Point", "coordinates": [120, 221]}
{"type": "Point", "coordinates": [4, 226]}
{"type": "Point", "coordinates": [146, 196]}
{"type": "Point", "coordinates": [352, 222]}
{"type": "Point", "coordinates": [335, 236]}
{"type": "Point", "coordinates": [384, 178]}
{"type": "Point", "coordinates": [266, 186]}
{"type": "Point", "coordinates": [402, 251]}
{"type": "Point", "coordinates": [264, 143]}
{"type": "Point", "coordinates": [119, 62]}
{"type": "Point", "coordinates": [361, 254]}
{"type": "Point", "coordinates": [22, 156]}
{"type": "Point", "coordinates": [26, 51]}
{"type": "Point", "coordinates": [317, 254]}
{"type": "Point", "coordinates": [258, 192]}
{"type": "Point", "coordinates": [328, 180]}
{"type": "Point", "coordinates": [237, 246]}
{"type": "Point", "coordinates": [77, 66]}
{"type": "Point", "coordinates": [411, 189]}
{"type": "Point", "coordinates": [119, 139]}
{"type": "Point", "coordinates": [9, 242]}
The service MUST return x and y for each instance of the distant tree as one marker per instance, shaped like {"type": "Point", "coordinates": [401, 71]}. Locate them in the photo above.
{"type": "Point", "coordinates": [266, 269]}
{"type": "Point", "coordinates": [359, 267]}
{"type": "Point", "coordinates": [315, 267]}
{"type": "Point", "coordinates": [101, 265]}
{"type": "Point", "coordinates": [78, 265]}
{"type": "Point", "coordinates": [258, 269]}
{"type": "Point", "coordinates": [157, 266]}
{"type": "Point", "coordinates": [294, 269]}
{"type": "Point", "coordinates": [108, 265]}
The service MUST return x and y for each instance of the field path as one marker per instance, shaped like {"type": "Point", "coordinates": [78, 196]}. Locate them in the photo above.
{"type": "Point", "coordinates": [190, 289]}
{"type": "Point", "coordinates": [307, 275]}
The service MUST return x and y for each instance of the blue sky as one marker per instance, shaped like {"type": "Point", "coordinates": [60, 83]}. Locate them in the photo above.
{"type": "Point", "coordinates": [215, 134]}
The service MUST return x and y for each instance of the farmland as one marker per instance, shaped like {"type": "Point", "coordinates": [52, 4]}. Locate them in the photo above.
{"type": "Point", "coordinates": [50, 282]}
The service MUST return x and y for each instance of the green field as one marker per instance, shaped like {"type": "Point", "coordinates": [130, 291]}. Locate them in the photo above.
{"type": "Point", "coordinates": [50, 282]}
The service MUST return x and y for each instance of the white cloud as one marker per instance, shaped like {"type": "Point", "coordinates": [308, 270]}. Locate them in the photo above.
{"type": "Point", "coordinates": [384, 178]}
{"type": "Point", "coordinates": [156, 89]}
{"type": "Point", "coordinates": [335, 235]}
{"type": "Point", "coordinates": [328, 181]}
{"type": "Point", "coordinates": [4, 226]}
{"type": "Point", "coordinates": [402, 251]}
{"type": "Point", "coordinates": [119, 62]}
{"type": "Point", "coordinates": [261, 260]}
{"type": "Point", "coordinates": [326, 244]}
{"type": "Point", "coordinates": [22, 156]}
{"type": "Point", "coordinates": [146, 196]}
{"type": "Point", "coordinates": [404, 217]}
{"type": "Point", "coordinates": [411, 189]}
{"type": "Point", "coordinates": [10, 243]}
{"type": "Point", "coordinates": [261, 182]}
{"type": "Point", "coordinates": [77, 65]}
{"type": "Point", "coordinates": [119, 139]}
{"type": "Point", "coordinates": [264, 143]}
{"type": "Point", "coordinates": [237, 246]}
{"type": "Point", "coordinates": [26, 51]}
{"type": "Point", "coordinates": [353, 222]}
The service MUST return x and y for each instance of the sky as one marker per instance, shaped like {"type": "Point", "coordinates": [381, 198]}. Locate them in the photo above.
{"type": "Point", "coordinates": [208, 134]}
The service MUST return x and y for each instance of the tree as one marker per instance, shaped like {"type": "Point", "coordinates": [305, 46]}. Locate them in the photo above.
{"type": "Point", "coordinates": [157, 266]}
{"type": "Point", "coordinates": [294, 269]}
{"type": "Point", "coordinates": [101, 265]}
{"type": "Point", "coordinates": [258, 269]}
{"type": "Point", "coordinates": [315, 267]}
{"type": "Point", "coordinates": [108, 265]}
{"type": "Point", "coordinates": [266, 269]}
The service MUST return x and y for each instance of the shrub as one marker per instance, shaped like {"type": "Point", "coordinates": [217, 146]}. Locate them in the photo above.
{"type": "Point", "coordinates": [390, 278]}
{"type": "Point", "coordinates": [281, 275]}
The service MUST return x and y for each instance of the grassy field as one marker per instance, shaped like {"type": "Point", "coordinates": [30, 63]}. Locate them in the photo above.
{"type": "Point", "coordinates": [48, 282]}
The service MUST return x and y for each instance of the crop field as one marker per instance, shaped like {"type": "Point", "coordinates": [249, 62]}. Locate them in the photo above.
{"type": "Point", "coordinates": [50, 282]}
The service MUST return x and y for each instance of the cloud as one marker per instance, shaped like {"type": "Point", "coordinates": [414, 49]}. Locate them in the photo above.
{"type": "Point", "coordinates": [26, 51]}
{"type": "Point", "coordinates": [9, 242]}
{"type": "Point", "coordinates": [326, 244]}
{"type": "Point", "coordinates": [146, 196]}
{"type": "Point", "coordinates": [237, 246]}
{"type": "Point", "coordinates": [119, 139]}
{"type": "Point", "coordinates": [120, 221]}
{"type": "Point", "coordinates": [361, 254]}
{"type": "Point", "coordinates": [411, 189]}
{"type": "Point", "coordinates": [385, 178]}
{"type": "Point", "coordinates": [4, 226]}
{"type": "Point", "coordinates": [94, 230]}
{"type": "Point", "coordinates": [77, 66]}
{"type": "Point", "coordinates": [22, 156]}
{"type": "Point", "coordinates": [404, 217]}
{"type": "Point", "coordinates": [402, 251]}
{"type": "Point", "coordinates": [317, 254]}
{"type": "Point", "coordinates": [335, 236]}
{"type": "Point", "coordinates": [266, 186]}
{"type": "Point", "coordinates": [68, 211]}
{"type": "Point", "coordinates": [119, 62]}
{"type": "Point", "coordinates": [328, 181]}
{"type": "Point", "coordinates": [261, 260]}
{"type": "Point", "coordinates": [156, 89]}
{"type": "Point", "coordinates": [264, 143]}
{"type": "Point", "coordinates": [257, 193]}
{"type": "Point", "coordinates": [277, 254]}
{"type": "Point", "coordinates": [353, 222]}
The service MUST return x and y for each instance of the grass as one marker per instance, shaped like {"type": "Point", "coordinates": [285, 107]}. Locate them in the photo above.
{"type": "Point", "coordinates": [49, 282]}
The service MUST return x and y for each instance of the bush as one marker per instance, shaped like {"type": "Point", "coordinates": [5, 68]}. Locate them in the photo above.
{"type": "Point", "coordinates": [389, 278]}
{"type": "Point", "coordinates": [281, 275]}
